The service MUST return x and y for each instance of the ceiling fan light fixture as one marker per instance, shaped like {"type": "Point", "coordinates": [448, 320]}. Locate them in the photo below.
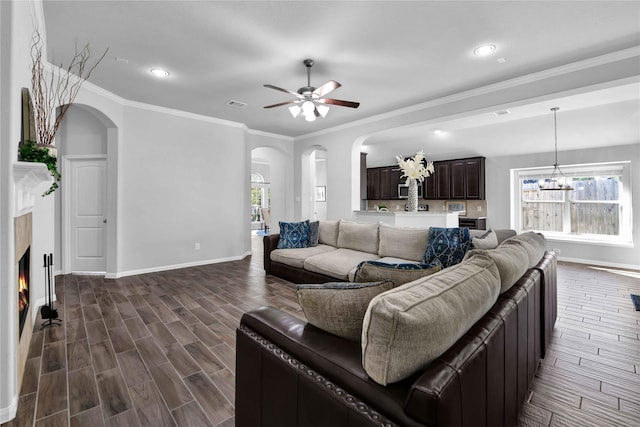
{"type": "Point", "coordinates": [308, 107]}
{"type": "Point", "coordinates": [310, 101]}
{"type": "Point", "coordinates": [295, 110]}
{"type": "Point", "coordinates": [323, 110]}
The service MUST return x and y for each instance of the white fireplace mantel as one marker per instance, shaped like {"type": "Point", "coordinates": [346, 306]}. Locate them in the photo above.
{"type": "Point", "coordinates": [27, 176]}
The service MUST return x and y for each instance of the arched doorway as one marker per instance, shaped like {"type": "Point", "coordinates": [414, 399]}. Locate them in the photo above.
{"type": "Point", "coordinates": [85, 208]}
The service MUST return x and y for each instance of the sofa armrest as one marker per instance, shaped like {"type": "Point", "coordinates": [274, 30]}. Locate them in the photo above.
{"type": "Point", "coordinates": [270, 342]}
{"type": "Point", "coordinates": [269, 242]}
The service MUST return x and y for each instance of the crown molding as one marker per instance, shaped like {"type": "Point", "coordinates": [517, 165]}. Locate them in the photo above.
{"type": "Point", "coordinates": [495, 87]}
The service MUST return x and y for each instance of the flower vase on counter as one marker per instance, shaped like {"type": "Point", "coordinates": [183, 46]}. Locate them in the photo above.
{"type": "Point", "coordinates": [415, 169]}
{"type": "Point", "coordinates": [412, 199]}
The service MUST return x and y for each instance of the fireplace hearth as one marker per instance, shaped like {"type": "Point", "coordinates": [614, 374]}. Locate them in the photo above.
{"type": "Point", "coordinates": [24, 269]}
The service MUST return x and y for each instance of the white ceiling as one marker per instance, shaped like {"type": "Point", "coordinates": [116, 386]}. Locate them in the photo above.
{"type": "Point", "coordinates": [386, 54]}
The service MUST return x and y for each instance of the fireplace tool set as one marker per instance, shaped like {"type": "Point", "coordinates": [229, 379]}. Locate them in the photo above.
{"type": "Point", "coordinates": [48, 311]}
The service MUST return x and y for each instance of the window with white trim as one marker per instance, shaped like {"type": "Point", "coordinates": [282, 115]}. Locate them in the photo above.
{"type": "Point", "coordinates": [597, 209]}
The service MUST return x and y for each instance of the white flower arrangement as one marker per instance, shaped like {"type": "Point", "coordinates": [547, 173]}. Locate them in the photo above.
{"type": "Point", "coordinates": [417, 168]}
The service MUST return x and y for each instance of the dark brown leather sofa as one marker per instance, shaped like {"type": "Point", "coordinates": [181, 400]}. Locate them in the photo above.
{"type": "Point", "coordinates": [290, 373]}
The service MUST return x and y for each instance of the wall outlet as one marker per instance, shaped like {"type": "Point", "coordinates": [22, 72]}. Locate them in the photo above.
{"type": "Point", "coordinates": [197, 246]}
{"type": "Point", "coordinates": [479, 208]}
{"type": "Point", "coordinates": [557, 250]}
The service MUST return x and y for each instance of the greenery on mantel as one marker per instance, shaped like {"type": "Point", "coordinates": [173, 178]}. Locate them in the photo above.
{"type": "Point", "coordinates": [32, 152]}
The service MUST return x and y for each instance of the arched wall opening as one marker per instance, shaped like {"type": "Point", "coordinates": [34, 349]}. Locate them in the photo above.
{"type": "Point", "coordinates": [86, 135]}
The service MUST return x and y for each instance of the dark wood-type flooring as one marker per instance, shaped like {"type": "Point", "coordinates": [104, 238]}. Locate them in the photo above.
{"type": "Point", "coordinates": [159, 349]}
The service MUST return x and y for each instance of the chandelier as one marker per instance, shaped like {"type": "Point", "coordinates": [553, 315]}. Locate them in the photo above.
{"type": "Point", "coordinates": [557, 180]}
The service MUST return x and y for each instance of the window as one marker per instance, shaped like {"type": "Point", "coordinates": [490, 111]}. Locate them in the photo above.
{"type": "Point", "coordinates": [598, 209]}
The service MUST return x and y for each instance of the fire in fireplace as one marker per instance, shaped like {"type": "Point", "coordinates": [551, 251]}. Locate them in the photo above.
{"type": "Point", "coordinates": [23, 289]}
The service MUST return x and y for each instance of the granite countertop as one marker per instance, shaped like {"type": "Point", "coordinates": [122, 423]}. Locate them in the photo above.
{"type": "Point", "coordinates": [404, 212]}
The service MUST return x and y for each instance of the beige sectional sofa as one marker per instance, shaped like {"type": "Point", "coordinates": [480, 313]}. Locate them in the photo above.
{"type": "Point", "coordinates": [458, 347]}
{"type": "Point", "coordinates": [343, 245]}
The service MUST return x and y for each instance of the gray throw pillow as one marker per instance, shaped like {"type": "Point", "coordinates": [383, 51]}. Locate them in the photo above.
{"type": "Point", "coordinates": [339, 307]}
{"type": "Point", "coordinates": [399, 274]}
{"type": "Point", "coordinates": [488, 240]}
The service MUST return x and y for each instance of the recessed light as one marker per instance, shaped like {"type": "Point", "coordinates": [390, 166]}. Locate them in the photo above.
{"type": "Point", "coordinates": [438, 132]}
{"type": "Point", "coordinates": [159, 72]}
{"type": "Point", "coordinates": [484, 50]}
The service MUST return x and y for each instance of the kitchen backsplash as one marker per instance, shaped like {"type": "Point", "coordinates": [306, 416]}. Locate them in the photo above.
{"type": "Point", "coordinates": [475, 208]}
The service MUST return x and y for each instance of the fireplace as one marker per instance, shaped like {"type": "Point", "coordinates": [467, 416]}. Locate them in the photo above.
{"type": "Point", "coordinates": [24, 270]}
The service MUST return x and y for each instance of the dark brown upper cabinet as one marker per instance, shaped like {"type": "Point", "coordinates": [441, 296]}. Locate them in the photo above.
{"type": "Point", "coordinates": [442, 172]}
{"type": "Point", "coordinates": [452, 179]}
{"type": "Point", "coordinates": [456, 179]}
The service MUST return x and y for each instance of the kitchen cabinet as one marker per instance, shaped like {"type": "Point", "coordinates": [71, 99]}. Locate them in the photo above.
{"type": "Point", "coordinates": [373, 183]}
{"type": "Point", "coordinates": [474, 178]}
{"type": "Point", "coordinates": [442, 171]}
{"type": "Point", "coordinates": [382, 183]}
{"type": "Point", "coordinates": [461, 179]}
{"type": "Point", "coordinates": [457, 180]}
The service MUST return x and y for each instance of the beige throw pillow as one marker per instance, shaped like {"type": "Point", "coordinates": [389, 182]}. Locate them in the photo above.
{"type": "Point", "coordinates": [488, 240]}
{"type": "Point", "coordinates": [403, 242]}
{"type": "Point", "coordinates": [361, 237]}
{"type": "Point", "coordinates": [533, 243]}
{"type": "Point", "coordinates": [328, 232]}
{"type": "Point", "coordinates": [339, 307]}
{"type": "Point", "coordinates": [512, 261]}
{"type": "Point", "coordinates": [408, 327]}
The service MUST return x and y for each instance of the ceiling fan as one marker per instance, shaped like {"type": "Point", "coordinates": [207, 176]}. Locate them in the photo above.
{"type": "Point", "coordinates": [309, 100]}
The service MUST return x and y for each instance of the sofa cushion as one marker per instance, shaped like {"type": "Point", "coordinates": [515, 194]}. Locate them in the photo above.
{"type": "Point", "coordinates": [533, 243]}
{"type": "Point", "coordinates": [448, 245]}
{"type": "Point", "coordinates": [409, 326]}
{"type": "Point", "coordinates": [399, 274]}
{"type": "Point", "coordinates": [488, 240]}
{"type": "Point", "coordinates": [337, 263]}
{"type": "Point", "coordinates": [296, 257]}
{"type": "Point", "coordinates": [403, 242]}
{"type": "Point", "coordinates": [314, 233]}
{"type": "Point", "coordinates": [511, 260]}
{"type": "Point", "coordinates": [293, 234]}
{"type": "Point", "coordinates": [358, 236]}
{"type": "Point", "coordinates": [328, 232]}
{"type": "Point", "coordinates": [339, 307]}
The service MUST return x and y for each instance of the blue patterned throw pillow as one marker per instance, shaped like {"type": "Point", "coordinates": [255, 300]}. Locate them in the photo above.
{"type": "Point", "coordinates": [294, 235]}
{"type": "Point", "coordinates": [448, 245]}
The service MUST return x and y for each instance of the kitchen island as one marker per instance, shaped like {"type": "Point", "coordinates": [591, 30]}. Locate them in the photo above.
{"type": "Point", "coordinates": [409, 219]}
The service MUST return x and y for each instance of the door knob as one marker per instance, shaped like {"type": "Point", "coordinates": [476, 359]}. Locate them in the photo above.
{"type": "Point", "coordinates": [104, 221]}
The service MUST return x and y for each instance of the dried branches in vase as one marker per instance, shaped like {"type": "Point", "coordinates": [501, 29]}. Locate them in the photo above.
{"type": "Point", "coordinates": [52, 95]}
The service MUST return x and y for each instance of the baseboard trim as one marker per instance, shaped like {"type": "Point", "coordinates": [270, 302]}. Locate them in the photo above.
{"type": "Point", "coordinates": [9, 413]}
{"type": "Point", "coordinates": [600, 263]}
{"type": "Point", "coordinates": [158, 269]}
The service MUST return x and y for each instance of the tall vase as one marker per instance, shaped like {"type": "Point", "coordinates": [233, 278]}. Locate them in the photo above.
{"type": "Point", "coordinates": [412, 200]}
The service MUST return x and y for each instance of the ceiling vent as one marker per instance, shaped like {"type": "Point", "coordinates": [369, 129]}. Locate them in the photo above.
{"type": "Point", "coordinates": [236, 104]}
{"type": "Point", "coordinates": [502, 112]}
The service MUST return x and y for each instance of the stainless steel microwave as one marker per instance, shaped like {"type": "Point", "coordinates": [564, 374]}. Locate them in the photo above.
{"type": "Point", "coordinates": [403, 191]}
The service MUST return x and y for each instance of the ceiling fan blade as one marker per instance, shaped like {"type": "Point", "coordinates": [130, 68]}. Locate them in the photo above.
{"type": "Point", "coordinates": [280, 104]}
{"type": "Point", "coordinates": [283, 90]}
{"type": "Point", "coordinates": [340, 102]}
{"type": "Point", "coordinates": [326, 88]}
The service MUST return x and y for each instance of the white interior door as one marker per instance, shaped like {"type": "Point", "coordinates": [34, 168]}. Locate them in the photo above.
{"type": "Point", "coordinates": [87, 185]}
